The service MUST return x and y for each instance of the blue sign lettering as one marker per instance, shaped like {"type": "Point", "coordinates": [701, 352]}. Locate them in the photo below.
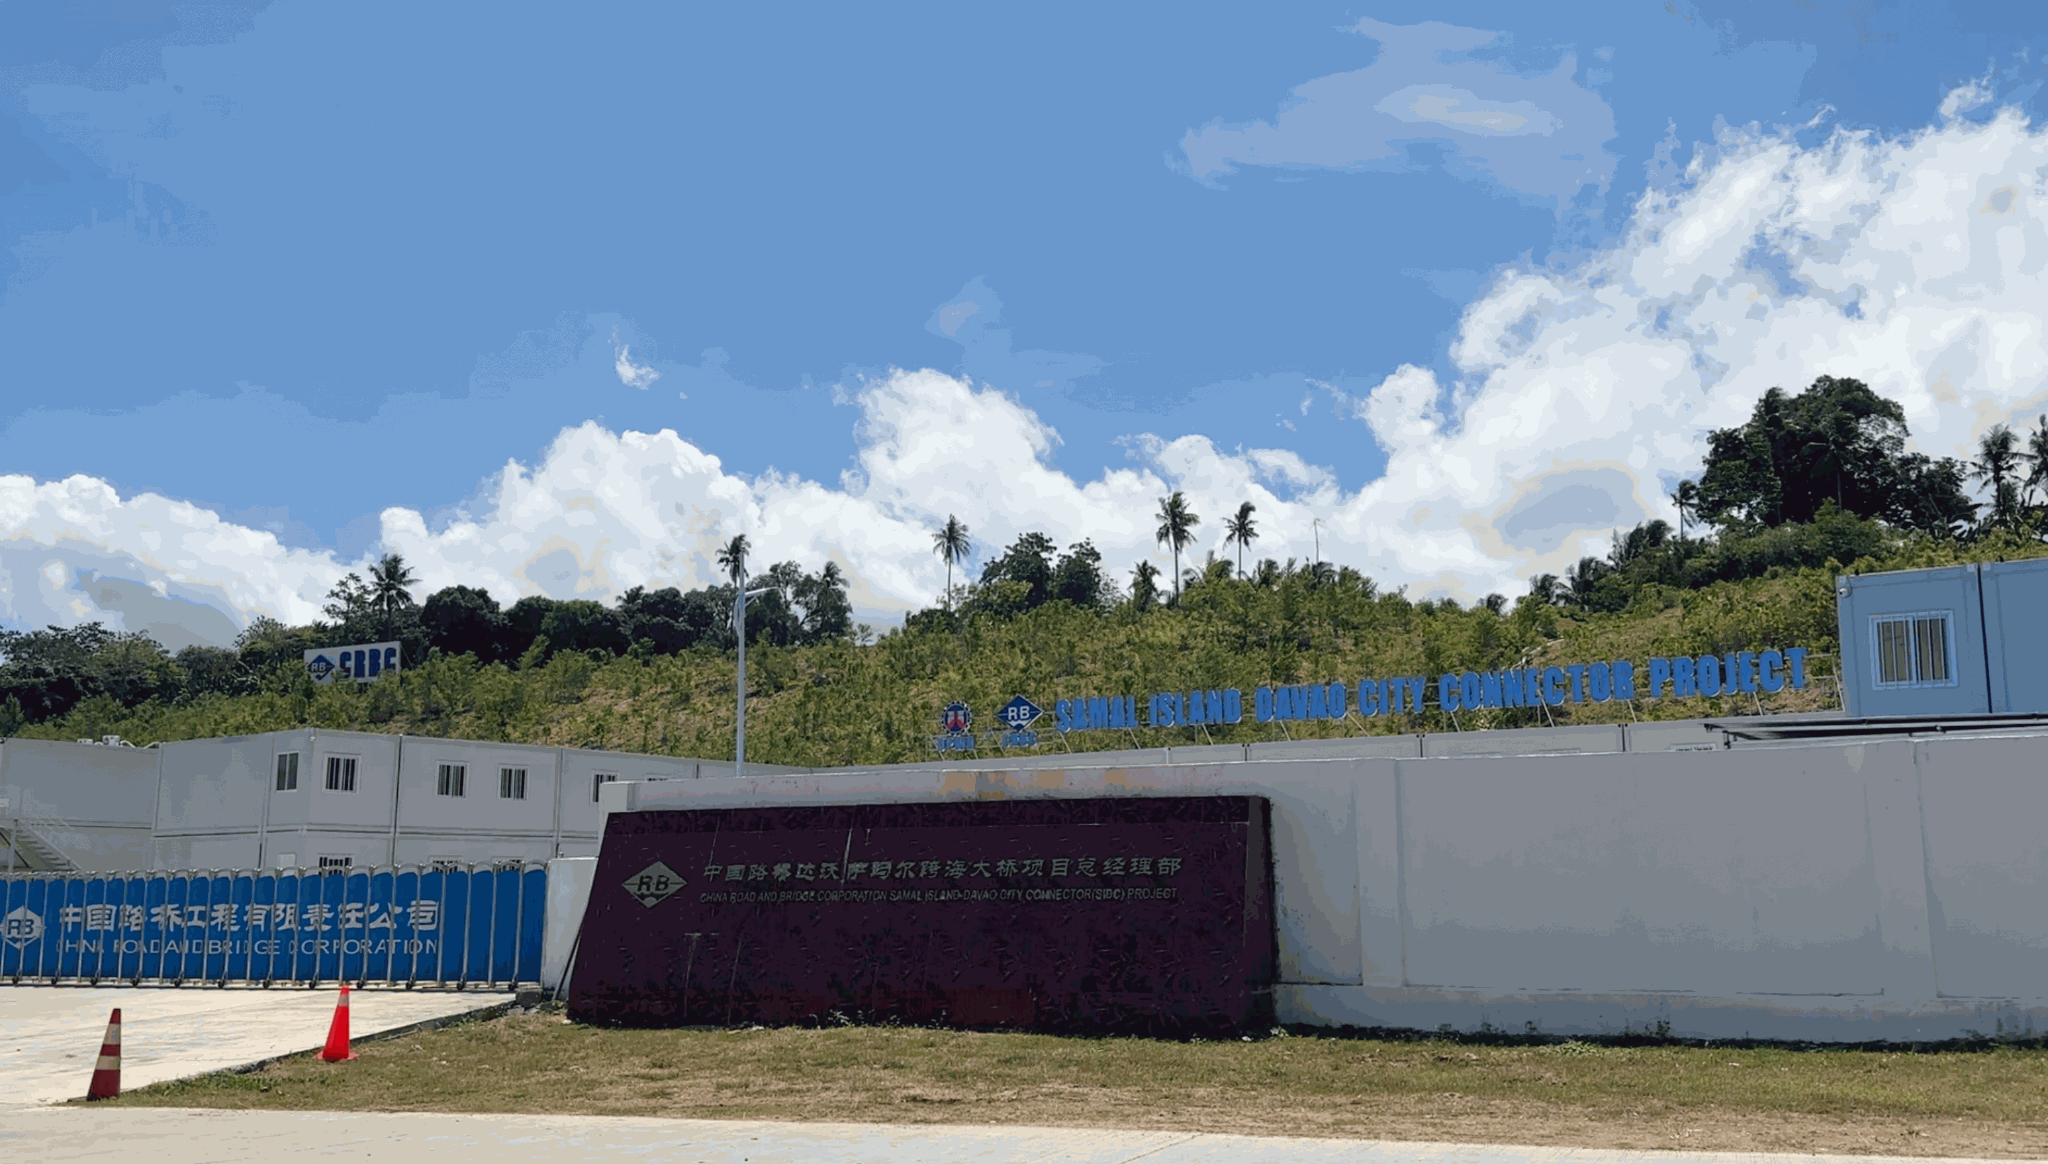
{"type": "Point", "coordinates": [1678, 677]}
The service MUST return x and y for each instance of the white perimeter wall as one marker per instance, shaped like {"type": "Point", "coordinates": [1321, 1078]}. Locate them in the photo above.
{"type": "Point", "coordinates": [1834, 892]}
{"type": "Point", "coordinates": [98, 813]}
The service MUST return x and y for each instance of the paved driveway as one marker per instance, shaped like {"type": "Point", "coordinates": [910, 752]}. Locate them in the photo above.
{"type": "Point", "coordinates": [50, 1035]}
{"type": "Point", "coordinates": [175, 1136]}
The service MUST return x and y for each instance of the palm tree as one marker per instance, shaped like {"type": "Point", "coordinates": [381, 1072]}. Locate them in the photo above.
{"type": "Point", "coordinates": [390, 579]}
{"type": "Point", "coordinates": [1176, 529]}
{"type": "Point", "coordinates": [1240, 529]}
{"type": "Point", "coordinates": [1998, 458]}
{"type": "Point", "coordinates": [951, 543]}
{"type": "Point", "coordinates": [1144, 585]}
{"type": "Point", "coordinates": [1687, 498]}
{"type": "Point", "coordinates": [2036, 457]}
{"type": "Point", "coordinates": [734, 558]}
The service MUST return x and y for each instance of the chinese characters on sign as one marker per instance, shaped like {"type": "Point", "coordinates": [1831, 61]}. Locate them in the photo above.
{"type": "Point", "coordinates": [1108, 913]}
{"type": "Point", "coordinates": [398, 925]}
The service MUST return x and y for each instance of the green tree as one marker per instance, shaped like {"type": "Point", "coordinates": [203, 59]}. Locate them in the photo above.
{"type": "Point", "coordinates": [1144, 586]}
{"type": "Point", "coordinates": [2036, 457]}
{"type": "Point", "coordinates": [1997, 465]}
{"type": "Point", "coordinates": [1687, 498]}
{"type": "Point", "coordinates": [391, 582]}
{"type": "Point", "coordinates": [213, 671]}
{"type": "Point", "coordinates": [582, 625]}
{"type": "Point", "coordinates": [1177, 524]}
{"type": "Point", "coordinates": [1077, 577]}
{"type": "Point", "coordinates": [1028, 563]}
{"type": "Point", "coordinates": [523, 620]}
{"type": "Point", "coordinates": [951, 543]}
{"type": "Point", "coordinates": [351, 605]}
{"type": "Point", "coordinates": [1242, 530]}
{"type": "Point", "coordinates": [464, 620]}
{"type": "Point", "coordinates": [733, 556]}
{"type": "Point", "coordinates": [826, 612]}
{"type": "Point", "coordinates": [1838, 442]}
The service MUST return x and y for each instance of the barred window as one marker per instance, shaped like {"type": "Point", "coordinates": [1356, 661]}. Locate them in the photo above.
{"type": "Point", "coordinates": [287, 771]}
{"type": "Point", "coordinates": [1913, 650]}
{"type": "Point", "coordinates": [598, 781]}
{"type": "Point", "coordinates": [341, 773]}
{"type": "Point", "coordinates": [327, 862]}
{"type": "Point", "coordinates": [512, 783]}
{"type": "Point", "coordinates": [449, 783]}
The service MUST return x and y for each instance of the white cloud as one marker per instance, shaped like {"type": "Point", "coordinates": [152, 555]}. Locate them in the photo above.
{"type": "Point", "coordinates": [1918, 265]}
{"type": "Point", "coordinates": [632, 375]}
{"type": "Point", "coordinates": [1540, 135]}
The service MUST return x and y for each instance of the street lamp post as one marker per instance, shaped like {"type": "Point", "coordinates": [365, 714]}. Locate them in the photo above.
{"type": "Point", "coordinates": [739, 622]}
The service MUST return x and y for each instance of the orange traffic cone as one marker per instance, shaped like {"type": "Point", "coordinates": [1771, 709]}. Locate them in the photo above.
{"type": "Point", "coordinates": [336, 1049]}
{"type": "Point", "coordinates": [106, 1074]}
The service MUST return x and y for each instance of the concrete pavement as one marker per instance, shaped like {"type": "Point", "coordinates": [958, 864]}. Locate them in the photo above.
{"type": "Point", "coordinates": [183, 1136]}
{"type": "Point", "coordinates": [50, 1035]}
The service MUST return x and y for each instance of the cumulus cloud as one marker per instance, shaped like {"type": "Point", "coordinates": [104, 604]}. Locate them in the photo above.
{"type": "Point", "coordinates": [1917, 264]}
{"type": "Point", "coordinates": [1540, 135]}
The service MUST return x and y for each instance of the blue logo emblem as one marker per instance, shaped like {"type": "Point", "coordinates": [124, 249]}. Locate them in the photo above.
{"type": "Point", "coordinates": [1019, 713]}
{"type": "Point", "coordinates": [320, 668]}
{"type": "Point", "coordinates": [955, 720]}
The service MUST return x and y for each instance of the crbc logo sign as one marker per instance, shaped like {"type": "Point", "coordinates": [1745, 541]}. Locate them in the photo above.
{"type": "Point", "coordinates": [653, 885]}
{"type": "Point", "coordinates": [21, 927]}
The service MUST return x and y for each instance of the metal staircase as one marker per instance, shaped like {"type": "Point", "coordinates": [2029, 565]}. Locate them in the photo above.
{"type": "Point", "coordinates": [34, 852]}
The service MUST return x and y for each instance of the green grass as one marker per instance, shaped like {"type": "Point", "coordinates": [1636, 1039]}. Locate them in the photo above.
{"type": "Point", "coordinates": [1990, 1102]}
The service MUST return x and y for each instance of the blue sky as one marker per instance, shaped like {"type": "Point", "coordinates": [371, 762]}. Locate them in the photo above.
{"type": "Point", "coordinates": [283, 267]}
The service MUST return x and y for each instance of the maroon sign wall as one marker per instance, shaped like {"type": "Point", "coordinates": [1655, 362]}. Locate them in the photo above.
{"type": "Point", "coordinates": [1138, 914]}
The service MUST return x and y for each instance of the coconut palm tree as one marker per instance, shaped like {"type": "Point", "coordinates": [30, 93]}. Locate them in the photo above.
{"type": "Point", "coordinates": [950, 543]}
{"type": "Point", "coordinates": [2036, 457]}
{"type": "Point", "coordinates": [734, 558]}
{"type": "Point", "coordinates": [1997, 464]}
{"type": "Point", "coordinates": [390, 583]}
{"type": "Point", "coordinates": [1144, 585]}
{"type": "Point", "coordinates": [1176, 529]}
{"type": "Point", "coordinates": [1687, 498]}
{"type": "Point", "coordinates": [1240, 529]}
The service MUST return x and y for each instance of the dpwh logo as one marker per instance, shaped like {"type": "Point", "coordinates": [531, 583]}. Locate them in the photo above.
{"type": "Point", "coordinates": [22, 927]}
{"type": "Point", "coordinates": [954, 724]}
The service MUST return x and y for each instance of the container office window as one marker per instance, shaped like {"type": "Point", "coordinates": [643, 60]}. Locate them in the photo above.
{"type": "Point", "coordinates": [598, 781]}
{"type": "Point", "coordinates": [446, 864]}
{"type": "Point", "coordinates": [512, 783]}
{"type": "Point", "coordinates": [449, 783]}
{"type": "Point", "coordinates": [341, 773]}
{"type": "Point", "coordinates": [1913, 650]}
{"type": "Point", "coordinates": [287, 771]}
{"type": "Point", "coordinates": [336, 862]}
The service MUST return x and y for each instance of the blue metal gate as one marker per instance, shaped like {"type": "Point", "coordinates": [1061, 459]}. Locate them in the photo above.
{"type": "Point", "coordinates": [441, 926]}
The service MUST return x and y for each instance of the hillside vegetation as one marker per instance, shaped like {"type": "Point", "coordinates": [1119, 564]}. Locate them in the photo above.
{"type": "Point", "coordinates": [1780, 501]}
{"type": "Point", "coordinates": [840, 702]}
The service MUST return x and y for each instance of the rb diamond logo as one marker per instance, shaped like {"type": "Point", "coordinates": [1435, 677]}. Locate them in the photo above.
{"type": "Point", "coordinates": [21, 927]}
{"type": "Point", "coordinates": [653, 885]}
